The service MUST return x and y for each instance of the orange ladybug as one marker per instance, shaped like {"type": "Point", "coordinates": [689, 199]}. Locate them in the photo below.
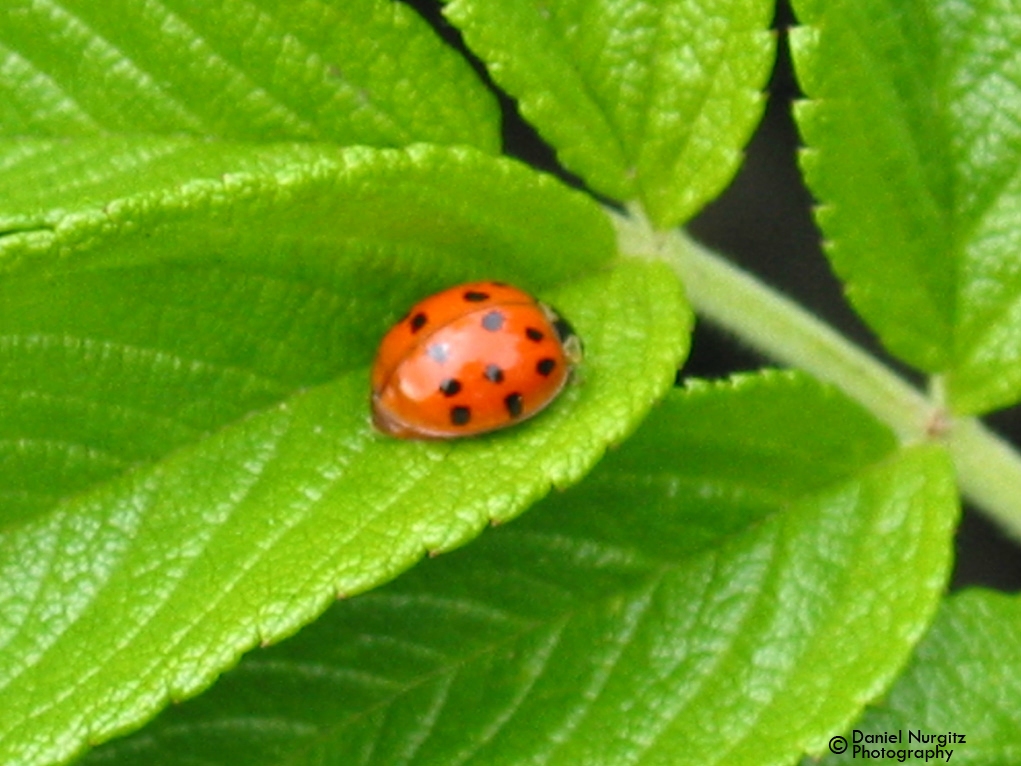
{"type": "Point", "coordinates": [471, 359]}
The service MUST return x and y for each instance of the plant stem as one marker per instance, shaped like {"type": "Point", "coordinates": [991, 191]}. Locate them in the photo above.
{"type": "Point", "coordinates": [988, 468]}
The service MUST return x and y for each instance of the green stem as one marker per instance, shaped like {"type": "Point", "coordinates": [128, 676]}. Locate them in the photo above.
{"type": "Point", "coordinates": [988, 468]}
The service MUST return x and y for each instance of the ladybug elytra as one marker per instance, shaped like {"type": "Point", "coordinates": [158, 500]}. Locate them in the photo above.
{"type": "Point", "coordinates": [470, 359]}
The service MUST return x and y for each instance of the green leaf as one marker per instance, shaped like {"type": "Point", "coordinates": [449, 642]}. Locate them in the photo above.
{"type": "Point", "coordinates": [367, 72]}
{"type": "Point", "coordinates": [153, 196]}
{"type": "Point", "coordinates": [914, 134]}
{"type": "Point", "coordinates": [646, 101]}
{"type": "Point", "coordinates": [964, 679]}
{"type": "Point", "coordinates": [186, 459]}
{"type": "Point", "coordinates": [686, 604]}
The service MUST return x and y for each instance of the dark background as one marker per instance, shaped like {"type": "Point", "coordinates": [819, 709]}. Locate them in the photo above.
{"type": "Point", "coordinates": [763, 221]}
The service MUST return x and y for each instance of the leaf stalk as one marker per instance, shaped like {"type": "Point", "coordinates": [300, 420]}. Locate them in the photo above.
{"type": "Point", "coordinates": [988, 467]}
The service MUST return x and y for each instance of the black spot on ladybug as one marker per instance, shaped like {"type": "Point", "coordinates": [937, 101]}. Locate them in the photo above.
{"type": "Point", "coordinates": [438, 352]}
{"type": "Point", "coordinates": [450, 387]}
{"type": "Point", "coordinates": [493, 321]}
{"type": "Point", "coordinates": [546, 366]}
{"type": "Point", "coordinates": [418, 321]}
{"type": "Point", "coordinates": [514, 404]}
{"type": "Point", "coordinates": [493, 374]}
{"type": "Point", "coordinates": [476, 296]}
{"type": "Point", "coordinates": [460, 416]}
{"type": "Point", "coordinates": [534, 334]}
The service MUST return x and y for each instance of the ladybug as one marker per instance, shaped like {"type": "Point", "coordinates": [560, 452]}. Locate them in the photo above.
{"type": "Point", "coordinates": [471, 359]}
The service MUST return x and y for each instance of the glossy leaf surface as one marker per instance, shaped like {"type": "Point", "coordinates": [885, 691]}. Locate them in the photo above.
{"type": "Point", "coordinates": [687, 604]}
{"type": "Point", "coordinates": [913, 150]}
{"type": "Point", "coordinates": [961, 691]}
{"type": "Point", "coordinates": [650, 102]}
{"type": "Point", "coordinates": [187, 464]}
{"type": "Point", "coordinates": [367, 72]}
